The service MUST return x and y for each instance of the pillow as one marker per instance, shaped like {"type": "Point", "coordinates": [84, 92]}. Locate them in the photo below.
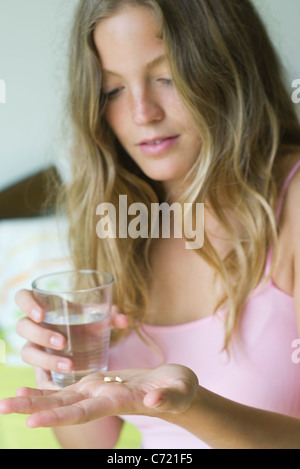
{"type": "Point", "coordinates": [28, 248]}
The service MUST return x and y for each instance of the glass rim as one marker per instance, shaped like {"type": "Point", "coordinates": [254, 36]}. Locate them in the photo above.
{"type": "Point", "coordinates": [68, 272]}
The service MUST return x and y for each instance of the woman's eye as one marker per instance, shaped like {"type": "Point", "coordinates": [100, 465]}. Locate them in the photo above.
{"type": "Point", "coordinates": [112, 94]}
{"type": "Point", "coordinates": [166, 81]}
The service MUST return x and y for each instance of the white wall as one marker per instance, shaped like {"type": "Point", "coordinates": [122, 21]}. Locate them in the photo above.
{"type": "Point", "coordinates": [33, 61]}
{"type": "Point", "coordinates": [282, 18]}
{"type": "Point", "coordinates": [32, 64]}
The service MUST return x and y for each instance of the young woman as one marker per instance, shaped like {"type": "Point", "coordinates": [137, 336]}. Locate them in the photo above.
{"type": "Point", "coordinates": [181, 103]}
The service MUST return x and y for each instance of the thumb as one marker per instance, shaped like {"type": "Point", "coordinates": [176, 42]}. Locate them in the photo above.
{"type": "Point", "coordinates": [168, 400]}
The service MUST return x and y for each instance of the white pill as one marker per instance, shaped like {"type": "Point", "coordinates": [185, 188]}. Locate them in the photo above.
{"type": "Point", "coordinates": [108, 379]}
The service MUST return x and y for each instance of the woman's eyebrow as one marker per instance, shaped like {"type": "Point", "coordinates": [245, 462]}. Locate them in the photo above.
{"type": "Point", "coordinates": [152, 64]}
{"type": "Point", "coordinates": [155, 62]}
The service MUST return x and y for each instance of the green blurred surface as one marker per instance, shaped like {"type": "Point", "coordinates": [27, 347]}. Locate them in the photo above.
{"type": "Point", "coordinates": [14, 434]}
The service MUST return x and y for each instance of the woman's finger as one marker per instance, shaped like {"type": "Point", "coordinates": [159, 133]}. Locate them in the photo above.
{"type": "Point", "coordinates": [69, 415]}
{"type": "Point", "coordinates": [41, 359]}
{"type": "Point", "coordinates": [26, 302]}
{"type": "Point", "coordinates": [76, 413]}
{"type": "Point", "coordinates": [40, 335]}
{"type": "Point", "coordinates": [35, 404]}
{"type": "Point", "coordinates": [32, 392]}
{"type": "Point", "coordinates": [169, 399]}
{"type": "Point", "coordinates": [118, 319]}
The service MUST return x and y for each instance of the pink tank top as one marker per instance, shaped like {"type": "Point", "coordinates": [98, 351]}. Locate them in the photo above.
{"type": "Point", "coordinates": [259, 372]}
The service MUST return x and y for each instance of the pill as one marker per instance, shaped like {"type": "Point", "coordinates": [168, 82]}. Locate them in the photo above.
{"type": "Point", "coordinates": [108, 379]}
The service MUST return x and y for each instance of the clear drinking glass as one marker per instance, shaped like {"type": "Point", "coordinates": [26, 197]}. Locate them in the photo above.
{"type": "Point", "coordinates": [77, 304]}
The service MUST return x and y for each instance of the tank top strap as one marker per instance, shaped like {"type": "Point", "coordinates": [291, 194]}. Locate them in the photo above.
{"type": "Point", "coordinates": [280, 202]}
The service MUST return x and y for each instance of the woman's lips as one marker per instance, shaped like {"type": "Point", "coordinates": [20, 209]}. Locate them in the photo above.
{"type": "Point", "coordinates": [157, 146]}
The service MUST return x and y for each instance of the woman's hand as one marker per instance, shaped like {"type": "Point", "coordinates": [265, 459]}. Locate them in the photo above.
{"type": "Point", "coordinates": [38, 338]}
{"type": "Point", "coordinates": [168, 389]}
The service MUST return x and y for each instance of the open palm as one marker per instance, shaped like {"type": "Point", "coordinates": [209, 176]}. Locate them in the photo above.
{"type": "Point", "coordinates": [169, 388]}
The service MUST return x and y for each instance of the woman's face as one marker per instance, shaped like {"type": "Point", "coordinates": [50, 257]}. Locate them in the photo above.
{"type": "Point", "coordinates": [144, 109]}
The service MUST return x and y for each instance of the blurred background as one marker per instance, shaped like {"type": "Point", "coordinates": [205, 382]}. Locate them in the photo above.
{"type": "Point", "coordinates": [33, 51]}
{"type": "Point", "coordinates": [33, 60]}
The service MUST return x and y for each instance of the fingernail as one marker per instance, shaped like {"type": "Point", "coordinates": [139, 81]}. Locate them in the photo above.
{"type": "Point", "coordinates": [3, 409]}
{"type": "Point", "coordinates": [36, 314]}
{"type": "Point", "coordinates": [57, 341]}
{"type": "Point", "coordinates": [159, 403]}
{"type": "Point", "coordinates": [64, 366]}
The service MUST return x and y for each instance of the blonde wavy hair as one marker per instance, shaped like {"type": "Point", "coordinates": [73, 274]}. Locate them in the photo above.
{"type": "Point", "coordinates": [229, 77]}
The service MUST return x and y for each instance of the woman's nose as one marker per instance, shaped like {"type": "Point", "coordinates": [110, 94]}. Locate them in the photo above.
{"type": "Point", "coordinates": [146, 109]}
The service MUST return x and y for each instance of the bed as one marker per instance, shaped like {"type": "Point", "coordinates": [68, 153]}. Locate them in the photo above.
{"type": "Point", "coordinates": [31, 243]}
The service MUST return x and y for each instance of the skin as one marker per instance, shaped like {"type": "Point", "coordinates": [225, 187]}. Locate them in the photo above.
{"type": "Point", "coordinates": [94, 398]}
{"type": "Point", "coordinates": [143, 103]}
{"type": "Point", "coordinates": [85, 414]}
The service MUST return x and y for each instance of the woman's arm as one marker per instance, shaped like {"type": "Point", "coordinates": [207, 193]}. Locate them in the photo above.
{"type": "Point", "coordinates": [171, 393]}
{"type": "Point", "coordinates": [224, 424]}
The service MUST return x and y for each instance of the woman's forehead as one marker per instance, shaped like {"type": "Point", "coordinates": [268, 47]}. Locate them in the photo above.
{"type": "Point", "coordinates": [129, 35]}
